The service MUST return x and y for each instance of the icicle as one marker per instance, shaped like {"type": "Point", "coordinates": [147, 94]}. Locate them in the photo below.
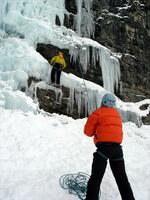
{"type": "Point", "coordinates": [94, 56]}
{"type": "Point", "coordinates": [92, 101]}
{"type": "Point", "coordinates": [58, 94]}
{"type": "Point", "coordinates": [85, 103]}
{"type": "Point", "coordinates": [30, 91]}
{"type": "Point", "coordinates": [84, 57]}
{"type": "Point", "coordinates": [117, 73]}
{"type": "Point", "coordinates": [129, 116]}
{"type": "Point", "coordinates": [110, 70]}
{"type": "Point", "coordinates": [78, 101]}
{"type": "Point", "coordinates": [35, 95]}
{"type": "Point", "coordinates": [71, 101]}
{"type": "Point", "coordinates": [79, 4]}
{"type": "Point", "coordinates": [87, 27]}
{"type": "Point", "coordinates": [74, 53]}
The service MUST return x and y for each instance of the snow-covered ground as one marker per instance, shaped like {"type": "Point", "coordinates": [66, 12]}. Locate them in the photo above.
{"type": "Point", "coordinates": [36, 150]}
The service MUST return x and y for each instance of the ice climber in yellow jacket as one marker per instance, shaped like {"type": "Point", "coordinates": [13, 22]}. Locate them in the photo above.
{"type": "Point", "coordinates": [58, 63]}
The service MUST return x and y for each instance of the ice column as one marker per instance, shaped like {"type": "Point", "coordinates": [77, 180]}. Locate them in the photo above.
{"type": "Point", "coordinates": [110, 70]}
{"type": "Point", "coordinates": [71, 101]}
{"type": "Point", "coordinates": [84, 99]}
{"type": "Point", "coordinates": [84, 20]}
{"type": "Point", "coordinates": [110, 67]}
{"type": "Point", "coordinates": [82, 55]}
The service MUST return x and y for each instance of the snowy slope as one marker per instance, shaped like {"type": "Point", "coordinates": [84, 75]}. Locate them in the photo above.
{"type": "Point", "coordinates": [35, 150]}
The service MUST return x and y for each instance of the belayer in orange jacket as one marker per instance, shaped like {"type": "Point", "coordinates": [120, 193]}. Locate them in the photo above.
{"type": "Point", "coordinates": [105, 125]}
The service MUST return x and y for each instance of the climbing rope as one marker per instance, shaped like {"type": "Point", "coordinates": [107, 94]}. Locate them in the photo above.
{"type": "Point", "coordinates": [75, 184]}
{"type": "Point", "coordinates": [81, 71]}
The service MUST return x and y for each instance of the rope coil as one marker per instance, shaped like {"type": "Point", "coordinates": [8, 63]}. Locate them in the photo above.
{"type": "Point", "coordinates": [75, 183]}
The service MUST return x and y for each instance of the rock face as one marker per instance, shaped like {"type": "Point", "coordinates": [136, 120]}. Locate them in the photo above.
{"type": "Point", "coordinates": [124, 27]}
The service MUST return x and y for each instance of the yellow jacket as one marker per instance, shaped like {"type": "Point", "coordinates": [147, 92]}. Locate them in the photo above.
{"type": "Point", "coordinates": [58, 59]}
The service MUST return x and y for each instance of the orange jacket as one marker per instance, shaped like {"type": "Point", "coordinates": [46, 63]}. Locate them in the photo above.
{"type": "Point", "coordinates": [105, 125]}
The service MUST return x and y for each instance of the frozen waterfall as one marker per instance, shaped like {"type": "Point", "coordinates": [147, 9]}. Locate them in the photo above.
{"type": "Point", "coordinates": [24, 24]}
{"type": "Point", "coordinates": [36, 24]}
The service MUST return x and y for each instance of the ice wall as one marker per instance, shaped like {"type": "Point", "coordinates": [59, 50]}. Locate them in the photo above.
{"type": "Point", "coordinates": [32, 20]}
{"type": "Point", "coordinates": [39, 9]}
{"type": "Point", "coordinates": [19, 61]}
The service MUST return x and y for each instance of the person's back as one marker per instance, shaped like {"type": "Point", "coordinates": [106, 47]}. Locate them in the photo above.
{"type": "Point", "coordinates": [108, 121]}
{"type": "Point", "coordinates": [59, 59]}
{"type": "Point", "coordinates": [105, 125]}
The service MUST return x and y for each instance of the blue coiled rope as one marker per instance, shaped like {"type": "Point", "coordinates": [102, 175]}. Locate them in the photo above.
{"type": "Point", "coordinates": [75, 184]}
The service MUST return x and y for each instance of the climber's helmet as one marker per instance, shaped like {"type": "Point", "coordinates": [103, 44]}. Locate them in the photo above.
{"type": "Point", "coordinates": [108, 100]}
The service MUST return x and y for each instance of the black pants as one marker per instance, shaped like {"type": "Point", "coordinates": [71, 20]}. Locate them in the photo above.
{"type": "Point", "coordinates": [114, 153]}
{"type": "Point", "coordinates": [55, 74]}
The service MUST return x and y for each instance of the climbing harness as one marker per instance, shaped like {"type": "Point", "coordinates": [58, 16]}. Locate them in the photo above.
{"type": "Point", "coordinates": [75, 184]}
{"type": "Point", "coordinates": [102, 155]}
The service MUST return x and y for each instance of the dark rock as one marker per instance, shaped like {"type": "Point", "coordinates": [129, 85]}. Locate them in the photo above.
{"type": "Point", "coordinates": [71, 6]}
{"type": "Point", "coordinates": [127, 30]}
{"type": "Point", "coordinates": [58, 23]}
{"type": "Point", "coordinates": [52, 102]}
{"type": "Point", "coordinates": [146, 119]}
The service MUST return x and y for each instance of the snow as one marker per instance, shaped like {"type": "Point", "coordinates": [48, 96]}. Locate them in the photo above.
{"type": "Point", "coordinates": [17, 101]}
{"type": "Point", "coordinates": [36, 150]}
{"type": "Point", "coordinates": [135, 107]}
{"type": "Point", "coordinates": [16, 55]}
